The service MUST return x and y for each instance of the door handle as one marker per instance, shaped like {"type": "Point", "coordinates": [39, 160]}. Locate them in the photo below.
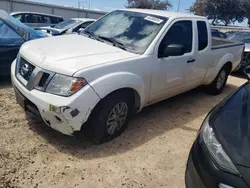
{"type": "Point", "coordinates": [191, 60]}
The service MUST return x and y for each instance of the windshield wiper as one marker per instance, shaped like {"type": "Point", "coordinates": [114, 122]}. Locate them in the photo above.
{"type": "Point", "coordinates": [92, 35]}
{"type": "Point", "coordinates": [115, 42]}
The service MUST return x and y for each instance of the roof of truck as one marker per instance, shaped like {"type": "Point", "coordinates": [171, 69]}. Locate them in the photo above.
{"type": "Point", "coordinates": [163, 13]}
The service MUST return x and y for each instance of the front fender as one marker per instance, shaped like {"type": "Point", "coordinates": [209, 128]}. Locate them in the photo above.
{"type": "Point", "coordinates": [105, 85]}
{"type": "Point", "coordinates": [215, 68]}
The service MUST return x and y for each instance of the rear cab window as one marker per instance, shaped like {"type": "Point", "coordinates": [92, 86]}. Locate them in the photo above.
{"type": "Point", "coordinates": [202, 35]}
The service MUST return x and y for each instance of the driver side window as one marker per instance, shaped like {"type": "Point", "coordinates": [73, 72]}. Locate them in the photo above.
{"type": "Point", "coordinates": [181, 33]}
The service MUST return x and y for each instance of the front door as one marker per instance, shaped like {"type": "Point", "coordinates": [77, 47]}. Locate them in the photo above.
{"type": "Point", "coordinates": [170, 74]}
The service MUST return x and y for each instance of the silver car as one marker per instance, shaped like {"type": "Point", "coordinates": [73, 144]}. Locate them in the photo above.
{"type": "Point", "coordinates": [35, 19]}
{"type": "Point", "coordinates": [243, 36]}
{"type": "Point", "coordinates": [73, 25]}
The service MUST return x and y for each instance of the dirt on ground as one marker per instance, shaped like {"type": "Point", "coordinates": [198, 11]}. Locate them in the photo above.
{"type": "Point", "coordinates": [152, 152]}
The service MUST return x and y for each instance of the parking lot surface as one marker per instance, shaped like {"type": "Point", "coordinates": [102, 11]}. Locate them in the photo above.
{"type": "Point", "coordinates": [151, 153]}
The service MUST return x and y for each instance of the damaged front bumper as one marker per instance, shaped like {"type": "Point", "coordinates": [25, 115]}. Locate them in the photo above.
{"type": "Point", "coordinates": [64, 114]}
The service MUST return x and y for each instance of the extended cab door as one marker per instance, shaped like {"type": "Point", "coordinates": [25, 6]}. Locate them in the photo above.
{"type": "Point", "coordinates": [170, 72]}
{"type": "Point", "coordinates": [202, 53]}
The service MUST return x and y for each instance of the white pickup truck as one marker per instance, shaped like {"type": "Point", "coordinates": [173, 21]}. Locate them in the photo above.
{"type": "Point", "coordinates": [125, 61]}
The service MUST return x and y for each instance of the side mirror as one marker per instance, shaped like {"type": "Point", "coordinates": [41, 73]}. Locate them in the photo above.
{"type": "Point", "coordinates": [173, 50]}
{"type": "Point", "coordinates": [247, 72]}
{"type": "Point", "coordinates": [80, 30]}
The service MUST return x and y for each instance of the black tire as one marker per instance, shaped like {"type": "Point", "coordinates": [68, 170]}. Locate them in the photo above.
{"type": "Point", "coordinates": [97, 127]}
{"type": "Point", "coordinates": [217, 86]}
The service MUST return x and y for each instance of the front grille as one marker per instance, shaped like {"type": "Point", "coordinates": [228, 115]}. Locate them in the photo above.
{"type": "Point", "coordinates": [31, 76]}
{"type": "Point", "coordinates": [25, 69]}
{"type": "Point", "coordinates": [43, 80]}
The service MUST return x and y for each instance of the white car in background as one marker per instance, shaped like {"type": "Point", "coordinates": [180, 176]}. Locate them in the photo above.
{"type": "Point", "coordinates": [36, 19]}
{"type": "Point", "coordinates": [73, 25]}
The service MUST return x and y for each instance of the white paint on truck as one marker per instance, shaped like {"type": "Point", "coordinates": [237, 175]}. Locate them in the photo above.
{"type": "Point", "coordinates": [169, 53]}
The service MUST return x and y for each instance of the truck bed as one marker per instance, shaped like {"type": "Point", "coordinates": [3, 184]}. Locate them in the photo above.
{"type": "Point", "coordinates": [223, 43]}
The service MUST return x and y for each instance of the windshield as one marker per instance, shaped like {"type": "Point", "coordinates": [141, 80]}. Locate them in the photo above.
{"type": "Point", "coordinates": [66, 24]}
{"type": "Point", "coordinates": [24, 31]}
{"type": "Point", "coordinates": [241, 36]}
{"type": "Point", "coordinates": [134, 30]}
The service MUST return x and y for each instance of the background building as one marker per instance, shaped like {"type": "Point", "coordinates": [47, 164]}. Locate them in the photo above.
{"type": "Point", "coordinates": [66, 12]}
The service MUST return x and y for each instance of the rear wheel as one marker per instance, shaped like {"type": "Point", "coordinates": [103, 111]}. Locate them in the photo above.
{"type": "Point", "coordinates": [217, 86]}
{"type": "Point", "coordinates": [110, 117]}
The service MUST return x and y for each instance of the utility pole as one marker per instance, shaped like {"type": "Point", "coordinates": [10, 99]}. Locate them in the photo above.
{"type": "Point", "coordinates": [179, 3]}
{"type": "Point", "coordinates": [79, 3]}
{"type": "Point", "coordinates": [11, 6]}
{"type": "Point", "coordinates": [87, 11]}
{"type": "Point", "coordinates": [79, 6]}
{"type": "Point", "coordinates": [78, 12]}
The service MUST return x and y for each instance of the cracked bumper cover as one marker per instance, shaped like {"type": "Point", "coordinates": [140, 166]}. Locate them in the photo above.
{"type": "Point", "coordinates": [71, 112]}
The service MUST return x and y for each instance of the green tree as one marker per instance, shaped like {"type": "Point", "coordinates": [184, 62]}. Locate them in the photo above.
{"type": "Point", "coordinates": [226, 11]}
{"type": "Point", "coordinates": [246, 5]}
{"type": "Point", "coordinates": [150, 4]}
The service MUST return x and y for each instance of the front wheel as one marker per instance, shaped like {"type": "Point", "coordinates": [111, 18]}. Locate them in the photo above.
{"type": "Point", "coordinates": [217, 86]}
{"type": "Point", "coordinates": [110, 118]}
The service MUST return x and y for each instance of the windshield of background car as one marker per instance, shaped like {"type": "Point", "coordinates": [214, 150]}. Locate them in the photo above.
{"type": "Point", "coordinates": [133, 29]}
{"type": "Point", "coordinates": [241, 37]}
{"type": "Point", "coordinates": [66, 24]}
{"type": "Point", "coordinates": [24, 31]}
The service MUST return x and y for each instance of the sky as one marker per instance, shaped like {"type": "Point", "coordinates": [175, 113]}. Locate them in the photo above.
{"type": "Point", "coordinates": [109, 5]}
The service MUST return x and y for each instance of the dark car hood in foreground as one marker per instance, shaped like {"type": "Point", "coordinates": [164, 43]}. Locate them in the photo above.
{"type": "Point", "coordinates": [232, 127]}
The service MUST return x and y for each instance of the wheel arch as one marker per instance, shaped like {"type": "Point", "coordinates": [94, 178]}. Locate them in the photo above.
{"type": "Point", "coordinates": [229, 66]}
{"type": "Point", "coordinates": [125, 91]}
{"type": "Point", "coordinates": [115, 82]}
{"type": "Point", "coordinates": [225, 61]}
{"type": "Point", "coordinates": [130, 92]}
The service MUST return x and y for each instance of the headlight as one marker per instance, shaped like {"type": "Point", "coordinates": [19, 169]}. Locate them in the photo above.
{"type": "Point", "coordinates": [216, 149]}
{"type": "Point", "coordinates": [65, 85]}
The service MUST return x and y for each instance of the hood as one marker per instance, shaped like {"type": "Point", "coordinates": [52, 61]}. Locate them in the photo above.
{"type": "Point", "coordinates": [232, 127]}
{"type": "Point", "coordinates": [70, 53]}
